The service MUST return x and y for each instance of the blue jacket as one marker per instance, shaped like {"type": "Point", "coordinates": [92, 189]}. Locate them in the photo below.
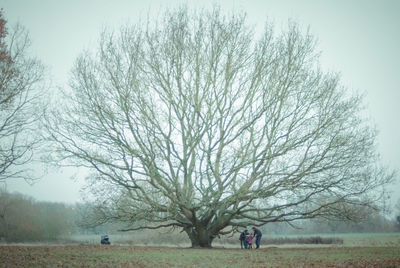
{"type": "Point", "coordinates": [243, 235]}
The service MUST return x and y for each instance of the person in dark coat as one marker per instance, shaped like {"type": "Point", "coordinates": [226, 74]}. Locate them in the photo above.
{"type": "Point", "coordinates": [258, 235]}
{"type": "Point", "coordinates": [244, 239]}
{"type": "Point", "coordinates": [105, 240]}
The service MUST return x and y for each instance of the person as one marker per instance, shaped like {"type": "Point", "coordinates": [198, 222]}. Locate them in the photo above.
{"type": "Point", "coordinates": [246, 240]}
{"type": "Point", "coordinates": [242, 238]}
{"type": "Point", "coordinates": [251, 241]}
{"type": "Point", "coordinates": [105, 240]}
{"type": "Point", "coordinates": [258, 235]}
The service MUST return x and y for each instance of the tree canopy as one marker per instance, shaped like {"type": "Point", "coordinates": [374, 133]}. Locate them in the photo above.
{"type": "Point", "coordinates": [197, 122]}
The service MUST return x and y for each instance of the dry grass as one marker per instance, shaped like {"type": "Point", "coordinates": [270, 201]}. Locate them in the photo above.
{"type": "Point", "coordinates": [134, 256]}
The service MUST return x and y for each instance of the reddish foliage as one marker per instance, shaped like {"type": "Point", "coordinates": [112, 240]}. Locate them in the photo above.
{"type": "Point", "coordinates": [6, 62]}
{"type": "Point", "coordinates": [4, 56]}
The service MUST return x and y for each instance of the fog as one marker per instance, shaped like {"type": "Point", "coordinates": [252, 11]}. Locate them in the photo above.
{"type": "Point", "coordinates": [359, 39]}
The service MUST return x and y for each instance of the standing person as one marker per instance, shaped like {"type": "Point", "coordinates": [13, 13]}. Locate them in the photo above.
{"type": "Point", "coordinates": [242, 239]}
{"type": "Point", "coordinates": [246, 240]}
{"type": "Point", "coordinates": [250, 241]}
{"type": "Point", "coordinates": [258, 235]}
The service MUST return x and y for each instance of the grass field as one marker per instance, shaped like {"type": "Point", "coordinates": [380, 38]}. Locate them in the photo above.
{"type": "Point", "coordinates": [366, 250]}
{"type": "Point", "coordinates": [134, 256]}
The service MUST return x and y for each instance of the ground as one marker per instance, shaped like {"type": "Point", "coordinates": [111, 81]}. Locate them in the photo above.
{"type": "Point", "coordinates": [140, 256]}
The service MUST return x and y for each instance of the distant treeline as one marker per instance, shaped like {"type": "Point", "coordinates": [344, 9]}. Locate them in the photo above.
{"type": "Point", "coordinates": [374, 223]}
{"type": "Point", "coordinates": [23, 219]}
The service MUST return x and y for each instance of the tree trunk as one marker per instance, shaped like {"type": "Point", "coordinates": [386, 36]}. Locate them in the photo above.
{"type": "Point", "coordinates": [200, 237]}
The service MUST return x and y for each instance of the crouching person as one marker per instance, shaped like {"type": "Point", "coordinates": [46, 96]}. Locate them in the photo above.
{"type": "Point", "coordinates": [105, 240]}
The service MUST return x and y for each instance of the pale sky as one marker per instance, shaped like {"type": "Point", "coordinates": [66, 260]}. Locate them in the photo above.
{"type": "Point", "coordinates": [358, 38]}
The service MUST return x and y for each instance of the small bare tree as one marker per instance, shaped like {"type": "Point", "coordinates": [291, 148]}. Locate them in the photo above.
{"type": "Point", "coordinates": [193, 122]}
{"type": "Point", "coordinates": [397, 214]}
{"type": "Point", "coordinates": [20, 77]}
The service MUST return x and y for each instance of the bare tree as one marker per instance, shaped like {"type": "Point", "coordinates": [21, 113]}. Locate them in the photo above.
{"type": "Point", "coordinates": [397, 214]}
{"type": "Point", "coordinates": [196, 122]}
{"type": "Point", "coordinates": [20, 78]}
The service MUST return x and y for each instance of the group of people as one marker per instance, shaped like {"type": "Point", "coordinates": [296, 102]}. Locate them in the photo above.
{"type": "Point", "coordinates": [247, 239]}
